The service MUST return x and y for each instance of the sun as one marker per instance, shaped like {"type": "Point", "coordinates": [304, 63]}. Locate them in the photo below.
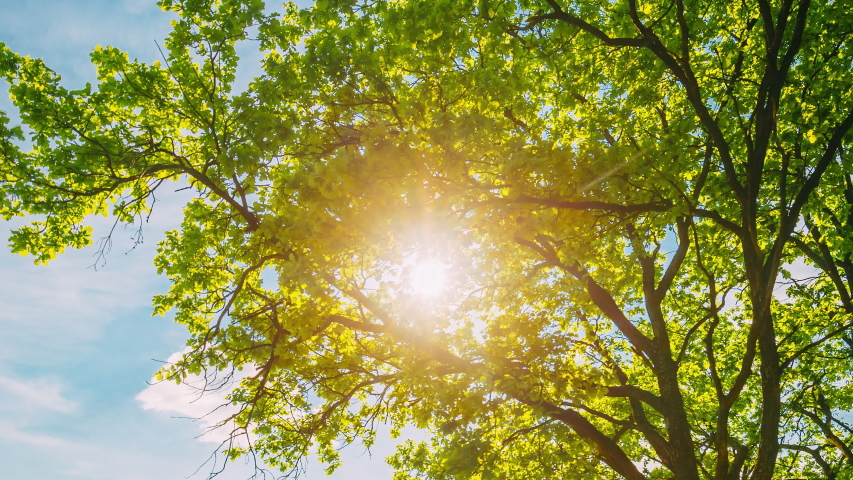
{"type": "Point", "coordinates": [428, 278]}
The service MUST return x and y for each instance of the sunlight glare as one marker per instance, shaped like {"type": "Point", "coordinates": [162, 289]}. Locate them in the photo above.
{"type": "Point", "coordinates": [429, 278]}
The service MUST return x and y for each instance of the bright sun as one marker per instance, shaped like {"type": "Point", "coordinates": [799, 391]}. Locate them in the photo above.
{"type": "Point", "coordinates": [429, 278]}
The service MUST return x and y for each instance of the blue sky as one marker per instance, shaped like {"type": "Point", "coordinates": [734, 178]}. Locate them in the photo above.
{"type": "Point", "coordinates": [76, 344]}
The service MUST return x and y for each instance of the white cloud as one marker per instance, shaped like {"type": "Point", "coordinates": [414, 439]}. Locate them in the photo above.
{"type": "Point", "coordinates": [184, 400]}
{"type": "Point", "coordinates": [800, 271]}
{"type": "Point", "coordinates": [190, 399]}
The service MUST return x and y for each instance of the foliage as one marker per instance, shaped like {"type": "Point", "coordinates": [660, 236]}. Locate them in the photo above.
{"type": "Point", "coordinates": [618, 191]}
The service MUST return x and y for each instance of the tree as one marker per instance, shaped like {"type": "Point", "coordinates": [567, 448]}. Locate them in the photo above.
{"type": "Point", "coordinates": [615, 192]}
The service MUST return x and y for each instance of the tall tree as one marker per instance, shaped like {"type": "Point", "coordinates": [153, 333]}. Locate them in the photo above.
{"type": "Point", "coordinates": [611, 191]}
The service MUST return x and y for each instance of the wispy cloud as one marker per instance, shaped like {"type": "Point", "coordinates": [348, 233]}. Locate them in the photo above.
{"type": "Point", "coordinates": [16, 433]}
{"type": "Point", "coordinates": [48, 313]}
{"type": "Point", "coordinates": [34, 395]}
{"type": "Point", "coordinates": [25, 402]}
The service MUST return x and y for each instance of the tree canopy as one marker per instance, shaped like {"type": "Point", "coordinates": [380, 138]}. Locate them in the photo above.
{"type": "Point", "coordinates": [609, 195]}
